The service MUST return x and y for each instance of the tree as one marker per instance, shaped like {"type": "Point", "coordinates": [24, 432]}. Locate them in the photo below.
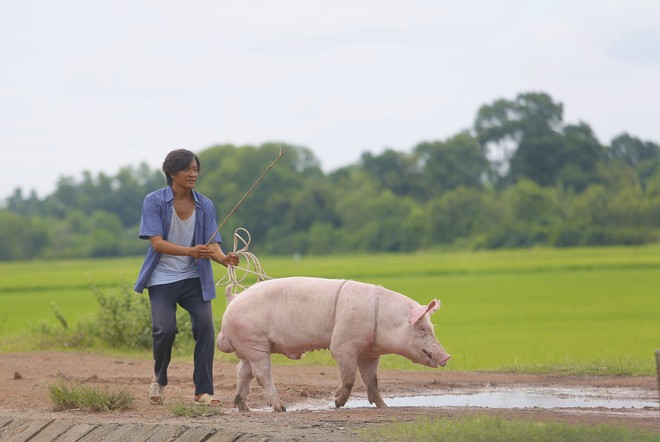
{"type": "Point", "coordinates": [526, 132]}
{"type": "Point", "coordinates": [131, 186]}
{"type": "Point", "coordinates": [229, 172]}
{"type": "Point", "coordinates": [531, 212]}
{"type": "Point", "coordinates": [458, 161]}
{"type": "Point", "coordinates": [21, 237]}
{"type": "Point", "coordinates": [105, 232]}
{"type": "Point", "coordinates": [641, 156]}
{"type": "Point", "coordinates": [64, 198]}
{"type": "Point", "coordinates": [27, 207]}
{"type": "Point", "coordinates": [631, 150]}
{"type": "Point", "coordinates": [462, 213]}
{"type": "Point", "coordinates": [394, 171]}
{"type": "Point", "coordinates": [580, 155]}
{"type": "Point", "coordinates": [555, 185]}
{"type": "Point", "coordinates": [376, 220]}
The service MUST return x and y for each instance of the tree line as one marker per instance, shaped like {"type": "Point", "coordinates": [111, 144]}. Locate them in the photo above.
{"type": "Point", "coordinates": [519, 177]}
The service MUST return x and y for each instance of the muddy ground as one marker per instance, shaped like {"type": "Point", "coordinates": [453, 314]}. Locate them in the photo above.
{"type": "Point", "coordinates": [307, 391]}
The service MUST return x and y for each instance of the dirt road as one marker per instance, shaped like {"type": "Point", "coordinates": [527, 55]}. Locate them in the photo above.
{"type": "Point", "coordinates": [308, 391]}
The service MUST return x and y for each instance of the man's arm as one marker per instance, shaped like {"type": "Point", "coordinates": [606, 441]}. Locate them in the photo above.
{"type": "Point", "coordinates": [220, 257]}
{"type": "Point", "coordinates": [198, 252]}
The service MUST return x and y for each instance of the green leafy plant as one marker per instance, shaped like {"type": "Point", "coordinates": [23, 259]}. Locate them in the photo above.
{"type": "Point", "coordinates": [124, 318]}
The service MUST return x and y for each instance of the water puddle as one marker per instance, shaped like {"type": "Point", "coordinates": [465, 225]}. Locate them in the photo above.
{"type": "Point", "coordinates": [582, 398]}
{"type": "Point", "coordinates": [527, 397]}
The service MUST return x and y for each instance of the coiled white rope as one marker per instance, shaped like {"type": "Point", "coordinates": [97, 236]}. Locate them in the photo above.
{"type": "Point", "coordinates": [252, 265]}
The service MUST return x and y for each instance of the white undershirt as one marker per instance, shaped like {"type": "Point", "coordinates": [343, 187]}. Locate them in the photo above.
{"type": "Point", "coordinates": [172, 268]}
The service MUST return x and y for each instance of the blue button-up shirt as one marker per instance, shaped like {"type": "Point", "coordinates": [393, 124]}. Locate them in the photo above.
{"type": "Point", "coordinates": [156, 219]}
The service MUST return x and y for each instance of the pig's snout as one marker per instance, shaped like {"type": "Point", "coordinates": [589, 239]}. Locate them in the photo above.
{"type": "Point", "coordinates": [436, 360]}
{"type": "Point", "coordinates": [443, 361]}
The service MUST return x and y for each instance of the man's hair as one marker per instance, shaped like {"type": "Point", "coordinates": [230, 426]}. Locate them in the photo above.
{"type": "Point", "coordinates": [178, 160]}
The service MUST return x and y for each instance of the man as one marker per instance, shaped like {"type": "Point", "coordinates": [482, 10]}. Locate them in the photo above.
{"type": "Point", "coordinates": [179, 222]}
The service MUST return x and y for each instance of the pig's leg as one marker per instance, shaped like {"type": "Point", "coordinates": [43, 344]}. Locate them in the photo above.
{"type": "Point", "coordinates": [347, 363]}
{"type": "Point", "coordinates": [369, 372]}
{"type": "Point", "coordinates": [243, 379]}
{"type": "Point", "coordinates": [261, 369]}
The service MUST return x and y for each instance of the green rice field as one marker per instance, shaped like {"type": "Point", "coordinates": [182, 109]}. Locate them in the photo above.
{"type": "Point", "coordinates": [572, 311]}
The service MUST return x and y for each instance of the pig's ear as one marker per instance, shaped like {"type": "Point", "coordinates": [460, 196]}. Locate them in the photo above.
{"type": "Point", "coordinates": [418, 312]}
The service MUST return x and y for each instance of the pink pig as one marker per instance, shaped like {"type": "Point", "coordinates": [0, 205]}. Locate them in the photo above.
{"type": "Point", "coordinates": [358, 322]}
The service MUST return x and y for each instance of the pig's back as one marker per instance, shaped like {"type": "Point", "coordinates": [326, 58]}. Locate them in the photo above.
{"type": "Point", "coordinates": [291, 291]}
{"type": "Point", "coordinates": [295, 314]}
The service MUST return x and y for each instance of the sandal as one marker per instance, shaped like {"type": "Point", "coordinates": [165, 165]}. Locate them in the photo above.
{"type": "Point", "coordinates": [208, 399]}
{"type": "Point", "coordinates": [156, 394]}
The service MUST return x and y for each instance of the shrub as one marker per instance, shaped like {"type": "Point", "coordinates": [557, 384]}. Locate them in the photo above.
{"type": "Point", "coordinates": [123, 322]}
{"type": "Point", "coordinates": [124, 319]}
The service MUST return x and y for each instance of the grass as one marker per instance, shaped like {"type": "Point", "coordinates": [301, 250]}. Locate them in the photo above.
{"type": "Point", "coordinates": [78, 395]}
{"type": "Point", "coordinates": [553, 319]}
{"type": "Point", "coordinates": [192, 410]}
{"type": "Point", "coordinates": [29, 289]}
{"type": "Point", "coordinates": [482, 428]}
{"type": "Point", "coordinates": [565, 311]}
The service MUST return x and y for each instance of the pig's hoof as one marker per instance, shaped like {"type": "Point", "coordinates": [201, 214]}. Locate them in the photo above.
{"type": "Point", "coordinates": [377, 400]}
{"type": "Point", "coordinates": [241, 404]}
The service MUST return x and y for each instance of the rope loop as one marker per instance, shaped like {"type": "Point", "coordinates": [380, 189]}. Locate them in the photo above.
{"type": "Point", "coordinates": [236, 280]}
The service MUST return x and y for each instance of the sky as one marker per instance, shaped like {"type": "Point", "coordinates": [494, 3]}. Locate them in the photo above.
{"type": "Point", "coordinates": [100, 85]}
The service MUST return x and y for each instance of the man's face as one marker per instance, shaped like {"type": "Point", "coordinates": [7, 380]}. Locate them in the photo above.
{"type": "Point", "coordinates": [187, 177]}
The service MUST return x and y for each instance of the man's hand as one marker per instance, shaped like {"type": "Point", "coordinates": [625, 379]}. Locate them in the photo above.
{"type": "Point", "coordinates": [201, 251]}
{"type": "Point", "coordinates": [231, 259]}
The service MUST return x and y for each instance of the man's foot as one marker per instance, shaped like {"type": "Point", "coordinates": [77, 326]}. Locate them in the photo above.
{"type": "Point", "coordinates": [156, 393]}
{"type": "Point", "coordinates": [207, 399]}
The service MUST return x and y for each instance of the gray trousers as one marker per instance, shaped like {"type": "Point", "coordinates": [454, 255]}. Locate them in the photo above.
{"type": "Point", "coordinates": [164, 299]}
